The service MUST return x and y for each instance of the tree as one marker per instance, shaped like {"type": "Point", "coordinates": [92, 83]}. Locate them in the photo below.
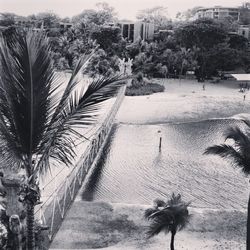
{"type": "Point", "coordinates": [106, 11]}
{"type": "Point", "coordinates": [102, 64]}
{"type": "Point", "coordinates": [104, 14]}
{"type": "Point", "coordinates": [107, 37]}
{"type": "Point", "coordinates": [7, 19]}
{"type": "Point", "coordinates": [171, 216]}
{"type": "Point", "coordinates": [203, 34]}
{"type": "Point", "coordinates": [238, 155]}
{"type": "Point", "coordinates": [162, 70]}
{"type": "Point", "coordinates": [238, 42]}
{"type": "Point", "coordinates": [47, 19]}
{"type": "Point", "coordinates": [36, 126]}
{"type": "Point", "coordinates": [222, 57]}
{"type": "Point", "coordinates": [188, 14]}
{"type": "Point", "coordinates": [244, 16]}
{"type": "Point", "coordinates": [157, 15]}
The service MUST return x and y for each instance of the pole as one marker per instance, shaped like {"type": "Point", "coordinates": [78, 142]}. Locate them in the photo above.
{"type": "Point", "coordinates": [160, 144]}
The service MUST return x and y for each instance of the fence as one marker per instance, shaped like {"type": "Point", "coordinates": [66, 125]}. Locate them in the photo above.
{"type": "Point", "coordinates": [53, 210]}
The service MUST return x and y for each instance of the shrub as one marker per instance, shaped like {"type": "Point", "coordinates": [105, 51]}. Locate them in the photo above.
{"type": "Point", "coordinates": [143, 89]}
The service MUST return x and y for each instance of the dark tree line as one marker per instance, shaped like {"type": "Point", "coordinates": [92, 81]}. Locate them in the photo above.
{"type": "Point", "coordinates": [204, 46]}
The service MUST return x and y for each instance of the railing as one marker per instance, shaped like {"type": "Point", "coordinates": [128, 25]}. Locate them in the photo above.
{"type": "Point", "coordinates": [52, 211]}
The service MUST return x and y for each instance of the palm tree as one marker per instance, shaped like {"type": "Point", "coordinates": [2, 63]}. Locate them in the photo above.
{"type": "Point", "coordinates": [37, 124]}
{"type": "Point", "coordinates": [238, 154]}
{"type": "Point", "coordinates": [170, 216]}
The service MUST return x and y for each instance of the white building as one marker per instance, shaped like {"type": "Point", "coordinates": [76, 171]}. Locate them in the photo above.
{"type": "Point", "coordinates": [138, 30]}
{"type": "Point", "coordinates": [218, 12]}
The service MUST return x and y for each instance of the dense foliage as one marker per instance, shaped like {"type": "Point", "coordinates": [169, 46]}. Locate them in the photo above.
{"type": "Point", "coordinates": [204, 46]}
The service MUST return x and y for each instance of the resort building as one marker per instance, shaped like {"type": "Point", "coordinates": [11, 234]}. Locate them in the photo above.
{"type": "Point", "coordinates": [138, 30]}
{"type": "Point", "coordinates": [218, 12]}
{"type": "Point", "coordinates": [244, 30]}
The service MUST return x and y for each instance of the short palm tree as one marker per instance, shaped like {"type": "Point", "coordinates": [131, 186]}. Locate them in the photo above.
{"type": "Point", "coordinates": [171, 216]}
{"type": "Point", "coordinates": [238, 154]}
{"type": "Point", "coordinates": [37, 124]}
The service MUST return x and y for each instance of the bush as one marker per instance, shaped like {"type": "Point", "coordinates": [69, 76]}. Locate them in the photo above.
{"type": "Point", "coordinates": [144, 89]}
{"type": "Point", "coordinates": [139, 77]}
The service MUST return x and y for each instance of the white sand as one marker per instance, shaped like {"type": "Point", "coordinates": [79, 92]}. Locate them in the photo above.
{"type": "Point", "coordinates": [184, 101]}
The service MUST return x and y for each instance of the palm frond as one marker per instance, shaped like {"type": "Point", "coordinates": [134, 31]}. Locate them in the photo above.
{"type": "Point", "coordinates": [183, 221]}
{"type": "Point", "coordinates": [82, 109]}
{"type": "Point", "coordinates": [236, 134]}
{"type": "Point", "coordinates": [229, 152]}
{"type": "Point", "coordinates": [148, 212]}
{"type": "Point", "coordinates": [33, 121]}
{"type": "Point", "coordinates": [246, 121]}
{"type": "Point", "coordinates": [159, 203]}
{"type": "Point", "coordinates": [241, 141]}
{"type": "Point", "coordinates": [171, 217]}
{"type": "Point", "coordinates": [180, 214]}
{"type": "Point", "coordinates": [73, 81]}
{"type": "Point", "coordinates": [27, 83]}
{"type": "Point", "coordinates": [174, 200]}
{"type": "Point", "coordinates": [156, 227]}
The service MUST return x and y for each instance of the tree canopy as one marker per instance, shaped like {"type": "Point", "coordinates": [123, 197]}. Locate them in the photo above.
{"type": "Point", "coordinates": [202, 33]}
{"type": "Point", "coordinates": [157, 15]}
{"type": "Point", "coordinates": [187, 14]}
{"type": "Point", "coordinates": [103, 14]}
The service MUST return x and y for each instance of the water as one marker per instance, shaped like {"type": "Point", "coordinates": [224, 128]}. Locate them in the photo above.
{"type": "Point", "coordinates": [132, 170]}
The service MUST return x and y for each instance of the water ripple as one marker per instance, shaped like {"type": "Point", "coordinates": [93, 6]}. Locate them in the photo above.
{"type": "Point", "coordinates": [132, 170]}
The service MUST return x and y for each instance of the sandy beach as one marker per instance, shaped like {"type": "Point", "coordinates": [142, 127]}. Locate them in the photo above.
{"type": "Point", "coordinates": [99, 225]}
{"type": "Point", "coordinates": [184, 101]}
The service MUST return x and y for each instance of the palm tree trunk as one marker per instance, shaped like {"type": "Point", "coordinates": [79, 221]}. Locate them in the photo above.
{"type": "Point", "coordinates": [172, 239]}
{"type": "Point", "coordinates": [30, 227]}
{"type": "Point", "coordinates": [30, 210]}
{"type": "Point", "coordinates": [248, 224]}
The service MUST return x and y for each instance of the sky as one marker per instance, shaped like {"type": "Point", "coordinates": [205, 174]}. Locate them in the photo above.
{"type": "Point", "coordinates": [126, 9]}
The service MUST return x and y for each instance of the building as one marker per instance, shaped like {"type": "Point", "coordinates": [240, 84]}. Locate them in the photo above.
{"type": "Point", "coordinates": [138, 30]}
{"type": "Point", "coordinates": [244, 30]}
{"type": "Point", "coordinates": [218, 12]}
{"type": "Point", "coordinates": [64, 25]}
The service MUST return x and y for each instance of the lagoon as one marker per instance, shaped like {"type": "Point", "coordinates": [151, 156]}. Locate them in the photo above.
{"type": "Point", "coordinates": [132, 170]}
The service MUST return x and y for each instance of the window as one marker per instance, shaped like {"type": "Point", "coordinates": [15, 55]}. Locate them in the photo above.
{"type": "Point", "coordinates": [131, 32]}
{"type": "Point", "coordinates": [125, 31]}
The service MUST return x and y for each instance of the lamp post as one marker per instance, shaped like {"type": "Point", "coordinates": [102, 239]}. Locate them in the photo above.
{"type": "Point", "coordinates": [160, 140]}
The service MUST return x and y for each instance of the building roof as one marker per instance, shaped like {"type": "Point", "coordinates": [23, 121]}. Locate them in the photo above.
{"type": "Point", "coordinates": [218, 7]}
{"type": "Point", "coordinates": [241, 77]}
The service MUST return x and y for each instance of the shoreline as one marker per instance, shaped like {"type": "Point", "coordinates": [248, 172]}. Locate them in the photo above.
{"type": "Point", "coordinates": [182, 122]}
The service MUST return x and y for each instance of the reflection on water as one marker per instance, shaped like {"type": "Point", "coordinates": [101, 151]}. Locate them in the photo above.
{"type": "Point", "coordinates": [133, 170]}
{"type": "Point", "coordinates": [88, 193]}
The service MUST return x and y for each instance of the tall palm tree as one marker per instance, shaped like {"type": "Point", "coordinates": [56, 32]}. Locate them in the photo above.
{"type": "Point", "coordinates": [170, 216]}
{"type": "Point", "coordinates": [37, 124]}
{"type": "Point", "coordinates": [238, 154]}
